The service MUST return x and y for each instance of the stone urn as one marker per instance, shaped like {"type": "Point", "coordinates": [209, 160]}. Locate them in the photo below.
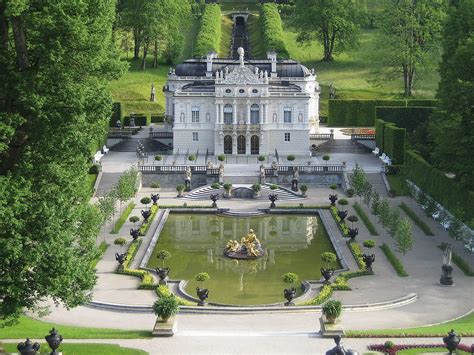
{"type": "Point", "coordinates": [368, 260]}
{"type": "Point", "coordinates": [163, 274]}
{"type": "Point", "coordinates": [134, 233]}
{"type": "Point", "coordinates": [353, 232]}
{"type": "Point", "coordinates": [273, 198]}
{"type": "Point", "coordinates": [333, 199]}
{"type": "Point", "coordinates": [54, 341]}
{"type": "Point", "coordinates": [203, 294]}
{"type": "Point", "coordinates": [289, 294]}
{"type": "Point", "coordinates": [342, 215]}
{"type": "Point", "coordinates": [146, 214]}
{"type": "Point", "coordinates": [327, 273]}
{"type": "Point", "coordinates": [452, 341]}
{"type": "Point", "coordinates": [121, 258]}
{"type": "Point", "coordinates": [214, 198]}
{"type": "Point", "coordinates": [155, 198]}
{"type": "Point", "coordinates": [446, 275]}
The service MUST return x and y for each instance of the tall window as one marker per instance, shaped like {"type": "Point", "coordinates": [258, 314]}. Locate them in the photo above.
{"type": "Point", "coordinates": [287, 115]}
{"type": "Point", "coordinates": [228, 114]}
{"type": "Point", "coordinates": [287, 137]}
{"type": "Point", "coordinates": [195, 114]}
{"type": "Point", "coordinates": [254, 114]}
{"type": "Point", "coordinates": [195, 136]}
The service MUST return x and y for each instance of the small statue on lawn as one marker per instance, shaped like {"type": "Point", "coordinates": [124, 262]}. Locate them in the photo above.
{"type": "Point", "coordinates": [152, 95]}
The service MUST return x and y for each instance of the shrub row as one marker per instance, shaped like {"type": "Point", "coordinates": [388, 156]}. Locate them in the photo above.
{"type": "Point", "coordinates": [164, 291]}
{"type": "Point", "coordinates": [116, 114]}
{"type": "Point", "coordinates": [301, 206]}
{"type": "Point", "coordinates": [185, 205]}
{"type": "Point", "coordinates": [272, 30]}
{"type": "Point", "coordinates": [140, 120]}
{"type": "Point", "coordinates": [146, 225]}
{"type": "Point", "coordinates": [340, 284]}
{"type": "Point", "coordinates": [341, 224]}
{"type": "Point", "coordinates": [404, 117]}
{"type": "Point", "coordinates": [448, 192]}
{"type": "Point", "coordinates": [414, 217]}
{"type": "Point", "coordinates": [147, 281]}
{"type": "Point", "coordinates": [323, 296]}
{"type": "Point", "coordinates": [209, 36]}
{"type": "Point", "coordinates": [356, 253]}
{"type": "Point", "coordinates": [352, 274]}
{"type": "Point", "coordinates": [365, 219]}
{"type": "Point", "coordinates": [123, 218]}
{"type": "Point", "coordinates": [394, 142]}
{"type": "Point", "coordinates": [396, 263]}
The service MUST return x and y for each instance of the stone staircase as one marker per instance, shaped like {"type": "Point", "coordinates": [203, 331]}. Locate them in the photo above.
{"type": "Point", "coordinates": [342, 146]}
{"type": "Point", "coordinates": [131, 144]}
{"type": "Point", "coordinates": [377, 182]}
{"type": "Point", "coordinates": [204, 193]}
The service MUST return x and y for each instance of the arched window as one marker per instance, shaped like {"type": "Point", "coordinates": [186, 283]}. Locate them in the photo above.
{"type": "Point", "coordinates": [181, 117]}
{"type": "Point", "coordinates": [208, 117]}
{"type": "Point", "coordinates": [228, 114]}
{"type": "Point", "coordinates": [275, 117]}
{"type": "Point", "coordinates": [300, 117]}
{"type": "Point", "coordinates": [254, 114]}
{"type": "Point", "coordinates": [195, 114]}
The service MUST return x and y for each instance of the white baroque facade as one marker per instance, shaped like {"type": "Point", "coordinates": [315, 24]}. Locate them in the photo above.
{"type": "Point", "coordinates": [224, 106]}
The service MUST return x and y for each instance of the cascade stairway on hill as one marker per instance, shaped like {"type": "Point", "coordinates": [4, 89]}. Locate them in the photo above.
{"type": "Point", "coordinates": [131, 144]}
{"type": "Point", "coordinates": [239, 37]}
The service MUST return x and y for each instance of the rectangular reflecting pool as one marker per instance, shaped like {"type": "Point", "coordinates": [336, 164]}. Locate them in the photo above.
{"type": "Point", "coordinates": [292, 243]}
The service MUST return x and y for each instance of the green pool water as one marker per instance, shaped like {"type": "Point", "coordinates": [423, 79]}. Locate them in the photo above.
{"type": "Point", "coordinates": [196, 243]}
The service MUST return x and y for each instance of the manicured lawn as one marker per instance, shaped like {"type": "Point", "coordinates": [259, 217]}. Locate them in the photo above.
{"type": "Point", "coordinates": [353, 73]}
{"type": "Point", "coordinates": [226, 36]}
{"type": "Point", "coordinates": [257, 49]}
{"type": "Point", "coordinates": [427, 350]}
{"type": "Point", "coordinates": [463, 326]}
{"type": "Point", "coordinates": [85, 349]}
{"type": "Point", "coordinates": [32, 328]}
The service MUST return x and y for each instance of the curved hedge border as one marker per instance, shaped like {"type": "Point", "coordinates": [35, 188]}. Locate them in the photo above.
{"type": "Point", "coordinates": [272, 30]}
{"type": "Point", "coordinates": [147, 281]}
{"type": "Point", "coordinates": [209, 36]}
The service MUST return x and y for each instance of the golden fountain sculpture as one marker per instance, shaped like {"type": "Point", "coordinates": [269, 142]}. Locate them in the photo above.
{"type": "Point", "coordinates": [248, 248]}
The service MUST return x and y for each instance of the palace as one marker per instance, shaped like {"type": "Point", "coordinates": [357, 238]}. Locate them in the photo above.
{"type": "Point", "coordinates": [245, 107]}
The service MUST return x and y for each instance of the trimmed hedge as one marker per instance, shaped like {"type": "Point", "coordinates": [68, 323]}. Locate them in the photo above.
{"type": "Point", "coordinates": [365, 219]}
{"type": "Point", "coordinates": [146, 225]}
{"type": "Point", "coordinates": [448, 192]}
{"type": "Point", "coordinates": [116, 114]}
{"type": "Point", "coordinates": [348, 113]}
{"type": "Point", "coordinates": [392, 258]}
{"type": "Point", "coordinates": [422, 103]}
{"type": "Point", "coordinates": [394, 142]}
{"type": "Point", "coordinates": [323, 296]}
{"type": "Point", "coordinates": [404, 117]}
{"type": "Point", "coordinates": [122, 218]}
{"type": "Point", "coordinates": [379, 133]}
{"type": "Point", "coordinates": [140, 120]}
{"type": "Point", "coordinates": [356, 253]}
{"type": "Point", "coordinates": [272, 30]}
{"type": "Point", "coordinates": [209, 36]}
{"type": "Point", "coordinates": [417, 220]}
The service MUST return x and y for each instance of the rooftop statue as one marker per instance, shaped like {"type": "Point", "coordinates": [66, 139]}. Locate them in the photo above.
{"type": "Point", "coordinates": [241, 52]}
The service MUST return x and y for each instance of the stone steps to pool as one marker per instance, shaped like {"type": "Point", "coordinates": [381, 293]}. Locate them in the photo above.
{"type": "Point", "coordinates": [234, 213]}
{"type": "Point", "coordinates": [204, 193]}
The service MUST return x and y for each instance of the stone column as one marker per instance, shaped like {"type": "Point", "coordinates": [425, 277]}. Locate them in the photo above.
{"type": "Point", "coordinates": [262, 113]}
{"type": "Point", "coordinates": [218, 120]}
{"type": "Point", "coordinates": [234, 113]}
{"type": "Point", "coordinates": [221, 113]}
{"type": "Point", "coordinates": [248, 112]}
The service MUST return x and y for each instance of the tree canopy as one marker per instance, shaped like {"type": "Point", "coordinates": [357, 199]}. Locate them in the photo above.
{"type": "Point", "coordinates": [333, 23]}
{"type": "Point", "coordinates": [453, 127]}
{"type": "Point", "coordinates": [57, 57]}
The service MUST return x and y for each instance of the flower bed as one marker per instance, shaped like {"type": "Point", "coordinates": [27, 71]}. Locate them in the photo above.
{"type": "Point", "coordinates": [164, 291]}
{"type": "Point", "coordinates": [146, 225]}
{"type": "Point", "coordinates": [341, 224]}
{"type": "Point", "coordinates": [357, 253]}
{"type": "Point", "coordinates": [397, 348]}
{"type": "Point", "coordinates": [147, 280]}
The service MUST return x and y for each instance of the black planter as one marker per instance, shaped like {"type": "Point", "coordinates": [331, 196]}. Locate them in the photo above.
{"type": "Point", "coordinates": [54, 341]}
{"type": "Point", "coordinates": [135, 233]}
{"type": "Point", "coordinates": [289, 294]}
{"type": "Point", "coordinates": [353, 232]}
{"type": "Point", "coordinates": [28, 347]}
{"type": "Point", "coordinates": [333, 199]}
{"type": "Point", "coordinates": [120, 259]}
{"type": "Point", "coordinates": [342, 215]}
{"type": "Point", "coordinates": [155, 198]}
{"type": "Point", "coordinates": [214, 198]}
{"type": "Point", "coordinates": [452, 341]}
{"type": "Point", "coordinates": [203, 294]}
{"type": "Point", "coordinates": [368, 260]}
{"type": "Point", "coordinates": [163, 275]}
{"type": "Point", "coordinates": [327, 273]}
{"type": "Point", "coordinates": [273, 198]}
{"type": "Point", "coordinates": [146, 214]}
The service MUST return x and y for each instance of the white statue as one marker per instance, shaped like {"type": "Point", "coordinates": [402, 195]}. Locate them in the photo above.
{"type": "Point", "coordinates": [241, 56]}
{"type": "Point", "coordinates": [447, 254]}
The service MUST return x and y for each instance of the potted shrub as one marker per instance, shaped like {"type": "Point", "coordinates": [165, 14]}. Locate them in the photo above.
{"type": "Point", "coordinates": [328, 259]}
{"type": "Point", "coordinates": [261, 158]}
{"type": "Point", "coordinates": [290, 157]}
{"type": "Point", "coordinates": [180, 188]}
{"type": "Point", "coordinates": [202, 293]}
{"type": "Point", "coordinates": [155, 185]}
{"type": "Point", "coordinates": [326, 158]}
{"type": "Point", "coordinates": [273, 187]}
{"type": "Point", "coordinates": [333, 187]}
{"type": "Point", "coordinates": [221, 157]}
{"type": "Point", "coordinates": [134, 219]}
{"type": "Point", "coordinates": [256, 189]}
{"type": "Point", "coordinates": [350, 192]}
{"type": "Point", "coordinates": [290, 293]}
{"type": "Point", "coordinates": [353, 232]}
{"type": "Point", "coordinates": [332, 310]}
{"type": "Point", "coordinates": [158, 157]}
{"type": "Point", "coordinates": [303, 189]}
{"type": "Point", "coordinates": [120, 241]}
{"type": "Point", "coordinates": [163, 272]}
{"type": "Point", "coordinates": [368, 258]}
{"type": "Point", "coordinates": [191, 157]}
{"type": "Point", "coordinates": [166, 307]}
{"type": "Point", "coordinates": [343, 202]}
{"type": "Point", "coordinates": [145, 200]}
{"type": "Point", "coordinates": [216, 186]}
{"type": "Point", "coordinates": [227, 190]}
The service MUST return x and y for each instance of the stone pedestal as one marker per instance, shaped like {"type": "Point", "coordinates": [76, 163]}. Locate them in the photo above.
{"type": "Point", "coordinates": [446, 276]}
{"type": "Point", "coordinates": [165, 329]}
{"type": "Point", "coordinates": [331, 330]}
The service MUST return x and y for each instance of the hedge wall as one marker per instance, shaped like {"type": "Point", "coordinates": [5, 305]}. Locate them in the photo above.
{"type": "Point", "coordinates": [404, 117]}
{"type": "Point", "coordinates": [140, 120]}
{"type": "Point", "coordinates": [116, 114]}
{"type": "Point", "coordinates": [379, 133]}
{"type": "Point", "coordinates": [209, 36]}
{"type": "Point", "coordinates": [272, 30]}
{"type": "Point", "coordinates": [448, 192]}
{"type": "Point", "coordinates": [348, 113]}
{"type": "Point", "coordinates": [394, 142]}
{"type": "Point", "coordinates": [422, 103]}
